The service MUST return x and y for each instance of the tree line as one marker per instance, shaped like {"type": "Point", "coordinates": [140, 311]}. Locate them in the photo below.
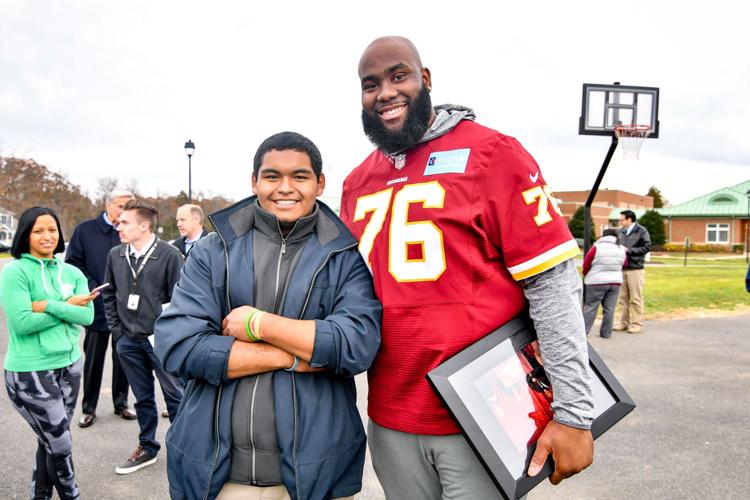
{"type": "Point", "coordinates": [25, 183]}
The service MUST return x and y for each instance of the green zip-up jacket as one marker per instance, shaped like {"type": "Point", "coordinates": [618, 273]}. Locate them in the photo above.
{"type": "Point", "coordinates": [48, 340]}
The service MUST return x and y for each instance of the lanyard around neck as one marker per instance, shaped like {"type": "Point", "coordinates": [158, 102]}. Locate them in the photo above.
{"type": "Point", "coordinates": [143, 262]}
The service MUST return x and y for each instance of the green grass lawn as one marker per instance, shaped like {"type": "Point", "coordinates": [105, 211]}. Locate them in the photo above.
{"type": "Point", "coordinates": [712, 284]}
{"type": "Point", "coordinates": [700, 262]}
{"type": "Point", "coordinates": [718, 285]}
{"type": "Point", "coordinates": [700, 255]}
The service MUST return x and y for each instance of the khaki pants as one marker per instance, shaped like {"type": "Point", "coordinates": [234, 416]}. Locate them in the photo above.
{"type": "Point", "coordinates": [631, 298]}
{"type": "Point", "coordinates": [234, 491]}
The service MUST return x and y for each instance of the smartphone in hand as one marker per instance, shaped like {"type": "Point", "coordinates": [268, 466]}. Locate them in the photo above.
{"type": "Point", "coordinates": [99, 288]}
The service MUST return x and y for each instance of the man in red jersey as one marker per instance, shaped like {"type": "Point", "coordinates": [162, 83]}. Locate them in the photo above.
{"type": "Point", "coordinates": [461, 234]}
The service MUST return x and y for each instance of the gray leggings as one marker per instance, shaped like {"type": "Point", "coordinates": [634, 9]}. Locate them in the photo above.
{"type": "Point", "coordinates": [46, 400]}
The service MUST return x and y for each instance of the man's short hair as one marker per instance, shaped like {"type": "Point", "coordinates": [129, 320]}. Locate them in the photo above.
{"type": "Point", "coordinates": [117, 193]}
{"type": "Point", "coordinates": [628, 214]}
{"type": "Point", "coordinates": [285, 141]}
{"type": "Point", "coordinates": [609, 232]}
{"type": "Point", "coordinates": [195, 210]}
{"type": "Point", "coordinates": [143, 212]}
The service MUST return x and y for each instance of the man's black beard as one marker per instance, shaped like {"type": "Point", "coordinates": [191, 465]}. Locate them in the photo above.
{"type": "Point", "coordinates": [417, 121]}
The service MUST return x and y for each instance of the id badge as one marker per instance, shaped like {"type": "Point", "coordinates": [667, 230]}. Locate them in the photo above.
{"type": "Point", "coordinates": [133, 300]}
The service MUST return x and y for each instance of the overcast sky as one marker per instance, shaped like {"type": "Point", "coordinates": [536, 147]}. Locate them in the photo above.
{"type": "Point", "coordinates": [96, 89]}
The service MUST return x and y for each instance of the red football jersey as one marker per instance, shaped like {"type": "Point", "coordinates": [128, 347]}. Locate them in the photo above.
{"type": "Point", "coordinates": [446, 237]}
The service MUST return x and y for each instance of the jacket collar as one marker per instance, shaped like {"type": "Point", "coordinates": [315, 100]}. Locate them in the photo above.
{"type": "Point", "coordinates": [635, 228]}
{"type": "Point", "coordinates": [268, 224]}
{"type": "Point", "coordinates": [238, 219]}
{"type": "Point", "coordinates": [102, 224]}
{"type": "Point", "coordinates": [184, 239]}
{"type": "Point", "coordinates": [606, 239]}
{"type": "Point", "coordinates": [123, 252]}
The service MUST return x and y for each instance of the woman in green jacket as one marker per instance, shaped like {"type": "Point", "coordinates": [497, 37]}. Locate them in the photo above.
{"type": "Point", "coordinates": [45, 300]}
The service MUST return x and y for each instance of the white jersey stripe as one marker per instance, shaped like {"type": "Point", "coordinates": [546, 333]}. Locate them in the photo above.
{"type": "Point", "coordinates": [550, 254]}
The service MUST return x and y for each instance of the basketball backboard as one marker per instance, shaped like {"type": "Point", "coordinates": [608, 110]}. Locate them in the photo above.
{"type": "Point", "coordinates": [605, 106]}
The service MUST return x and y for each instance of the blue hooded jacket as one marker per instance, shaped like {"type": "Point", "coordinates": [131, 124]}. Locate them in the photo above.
{"type": "Point", "coordinates": [318, 427]}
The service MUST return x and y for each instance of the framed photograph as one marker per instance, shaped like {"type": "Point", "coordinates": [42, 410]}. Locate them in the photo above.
{"type": "Point", "coordinates": [498, 393]}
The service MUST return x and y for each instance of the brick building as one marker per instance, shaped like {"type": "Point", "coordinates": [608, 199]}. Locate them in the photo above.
{"type": "Point", "coordinates": [606, 202]}
{"type": "Point", "coordinates": [720, 217]}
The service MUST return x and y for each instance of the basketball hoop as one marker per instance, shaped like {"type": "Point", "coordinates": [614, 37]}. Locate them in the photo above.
{"type": "Point", "coordinates": [631, 138]}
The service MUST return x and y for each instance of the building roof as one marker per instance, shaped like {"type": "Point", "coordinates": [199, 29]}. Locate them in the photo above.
{"type": "Point", "coordinates": [730, 201]}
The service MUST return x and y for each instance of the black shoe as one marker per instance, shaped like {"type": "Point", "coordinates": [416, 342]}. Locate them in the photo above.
{"type": "Point", "coordinates": [87, 420]}
{"type": "Point", "coordinates": [125, 413]}
{"type": "Point", "coordinates": [138, 460]}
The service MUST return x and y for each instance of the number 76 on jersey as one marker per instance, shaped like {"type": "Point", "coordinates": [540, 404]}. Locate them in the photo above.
{"type": "Point", "coordinates": [422, 233]}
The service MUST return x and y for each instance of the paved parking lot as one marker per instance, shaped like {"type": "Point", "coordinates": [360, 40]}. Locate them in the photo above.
{"type": "Point", "coordinates": [687, 438]}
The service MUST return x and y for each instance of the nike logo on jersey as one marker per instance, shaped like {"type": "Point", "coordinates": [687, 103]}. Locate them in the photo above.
{"type": "Point", "coordinates": [447, 162]}
{"type": "Point", "coordinates": [534, 177]}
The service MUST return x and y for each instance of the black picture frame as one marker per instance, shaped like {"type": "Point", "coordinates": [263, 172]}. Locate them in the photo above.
{"type": "Point", "coordinates": [483, 388]}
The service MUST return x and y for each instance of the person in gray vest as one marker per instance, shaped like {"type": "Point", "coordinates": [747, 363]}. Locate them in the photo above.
{"type": "Point", "coordinates": [602, 271]}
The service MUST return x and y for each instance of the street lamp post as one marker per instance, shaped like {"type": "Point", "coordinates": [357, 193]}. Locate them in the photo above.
{"type": "Point", "coordinates": [747, 228]}
{"type": "Point", "coordinates": [189, 149]}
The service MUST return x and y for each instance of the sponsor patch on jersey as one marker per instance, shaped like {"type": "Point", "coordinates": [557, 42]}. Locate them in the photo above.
{"type": "Point", "coordinates": [447, 162]}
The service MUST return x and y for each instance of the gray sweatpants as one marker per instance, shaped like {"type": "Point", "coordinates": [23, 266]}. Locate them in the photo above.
{"type": "Point", "coordinates": [425, 467]}
{"type": "Point", "coordinates": [46, 399]}
{"type": "Point", "coordinates": [606, 295]}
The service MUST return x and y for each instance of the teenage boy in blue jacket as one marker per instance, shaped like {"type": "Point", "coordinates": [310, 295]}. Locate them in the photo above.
{"type": "Point", "coordinates": [273, 316]}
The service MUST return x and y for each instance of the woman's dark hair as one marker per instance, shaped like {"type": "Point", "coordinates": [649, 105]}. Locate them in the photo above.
{"type": "Point", "coordinates": [25, 223]}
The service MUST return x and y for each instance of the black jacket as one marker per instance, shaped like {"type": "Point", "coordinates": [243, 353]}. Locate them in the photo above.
{"type": "Point", "coordinates": [87, 250]}
{"type": "Point", "coordinates": [638, 243]}
{"type": "Point", "coordinates": [179, 243]}
{"type": "Point", "coordinates": [154, 287]}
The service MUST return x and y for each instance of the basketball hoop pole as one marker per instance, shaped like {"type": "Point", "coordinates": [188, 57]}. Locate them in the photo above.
{"type": "Point", "coordinates": [626, 113]}
{"type": "Point", "coordinates": [592, 195]}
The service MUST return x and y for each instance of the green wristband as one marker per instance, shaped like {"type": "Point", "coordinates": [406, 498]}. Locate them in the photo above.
{"type": "Point", "coordinates": [247, 326]}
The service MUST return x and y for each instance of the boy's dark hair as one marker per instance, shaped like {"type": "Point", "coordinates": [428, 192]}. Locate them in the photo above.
{"type": "Point", "coordinates": [609, 232]}
{"type": "Point", "coordinates": [143, 212]}
{"type": "Point", "coordinates": [628, 214]}
{"type": "Point", "coordinates": [285, 141]}
{"type": "Point", "coordinates": [25, 223]}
